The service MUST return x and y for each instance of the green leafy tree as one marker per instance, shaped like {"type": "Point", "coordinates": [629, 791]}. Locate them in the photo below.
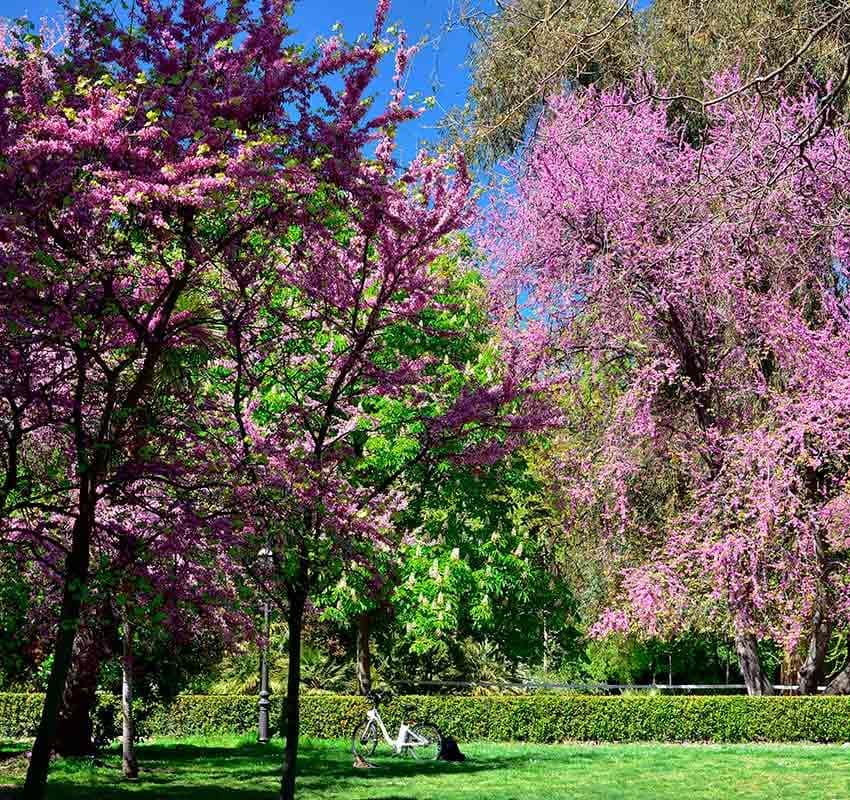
{"type": "Point", "coordinates": [530, 50]}
{"type": "Point", "coordinates": [470, 586]}
{"type": "Point", "coordinates": [481, 568]}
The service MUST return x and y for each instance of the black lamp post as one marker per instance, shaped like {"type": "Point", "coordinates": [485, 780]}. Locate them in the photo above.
{"type": "Point", "coordinates": [264, 557]}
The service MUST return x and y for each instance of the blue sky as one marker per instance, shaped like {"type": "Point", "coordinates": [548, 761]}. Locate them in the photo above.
{"type": "Point", "coordinates": [437, 69]}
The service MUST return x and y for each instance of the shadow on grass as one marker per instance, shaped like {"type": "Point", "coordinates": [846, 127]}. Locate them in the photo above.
{"type": "Point", "coordinates": [12, 750]}
{"type": "Point", "coordinates": [209, 754]}
{"type": "Point", "coordinates": [247, 772]}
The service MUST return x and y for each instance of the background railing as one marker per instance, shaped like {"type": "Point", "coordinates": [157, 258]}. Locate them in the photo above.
{"type": "Point", "coordinates": [606, 688]}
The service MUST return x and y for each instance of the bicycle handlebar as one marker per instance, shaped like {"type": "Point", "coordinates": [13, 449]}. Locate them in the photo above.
{"type": "Point", "coordinates": [377, 696]}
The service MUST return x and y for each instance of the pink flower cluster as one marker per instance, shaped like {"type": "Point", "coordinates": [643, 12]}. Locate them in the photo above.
{"type": "Point", "coordinates": [700, 291]}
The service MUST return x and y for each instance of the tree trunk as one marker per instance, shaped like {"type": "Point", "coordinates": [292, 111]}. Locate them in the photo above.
{"type": "Point", "coordinates": [95, 643]}
{"type": "Point", "coordinates": [364, 657]}
{"type": "Point", "coordinates": [811, 671]}
{"type": "Point", "coordinates": [750, 666]}
{"type": "Point", "coordinates": [840, 682]}
{"type": "Point", "coordinates": [789, 669]}
{"type": "Point", "coordinates": [291, 707]}
{"type": "Point", "coordinates": [129, 765]}
{"type": "Point", "coordinates": [74, 728]}
{"type": "Point", "coordinates": [76, 578]}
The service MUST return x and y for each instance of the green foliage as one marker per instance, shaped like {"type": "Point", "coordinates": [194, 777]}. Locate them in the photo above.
{"type": "Point", "coordinates": [18, 669]}
{"type": "Point", "coordinates": [470, 570]}
{"type": "Point", "coordinates": [617, 661]}
{"type": "Point", "coordinates": [476, 564]}
{"type": "Point", "coordinates": [529, 51]}
{"type": "Point", "coordinates": [533, 718]}
{"type": "Point", "coordinates": [237, 673]}
{"type": "Point", "coordinates": [555, 718]}
{"type": "Point", "coordinates": [532, 49]}
{"type": "Point", "coordinates": [329, 716]}
{"type": "Point", "coordinates": [19, 714]}
{"type": "Point", "coordinates": [202, 715]}
{"type": "Point", "coordinates": [106, 722]}
{"type": "Point", "coordinates": [691, 658]}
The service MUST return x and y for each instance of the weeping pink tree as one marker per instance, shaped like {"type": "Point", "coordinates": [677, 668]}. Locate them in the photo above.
{"type": "Point", "coordinates": [704, 286]}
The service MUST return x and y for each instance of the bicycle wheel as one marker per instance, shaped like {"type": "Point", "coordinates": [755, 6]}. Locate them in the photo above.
{"type": "Point", "coordinates": [426, 740]}
{"type": "Point", "coordinates": [365, 739]}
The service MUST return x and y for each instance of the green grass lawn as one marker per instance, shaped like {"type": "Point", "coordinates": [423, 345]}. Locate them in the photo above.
{"type": "Point", "coordinates": [209, 769]}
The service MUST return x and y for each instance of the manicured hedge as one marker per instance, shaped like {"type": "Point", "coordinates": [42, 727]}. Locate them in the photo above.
{"type": "Point", "coordinates": [535, 718]}
{"type": "Point", "coordinates": [203, 715]}
{"type": "Point", "coordinates": [554, 718]}
{"type": "Point", "coordinates": [19, 714]}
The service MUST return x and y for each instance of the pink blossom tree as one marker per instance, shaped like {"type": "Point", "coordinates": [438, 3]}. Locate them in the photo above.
{"type": "Point", "coordinates": [331, 359]}
{"type": "Point", "coordinates": [700, 290]}
{"type": "Point", "coordinates": [185, 192]}
{"type": "Point", "coordinates": [142, 163]}
{"type": "Point", "coordinates": [165, 573]}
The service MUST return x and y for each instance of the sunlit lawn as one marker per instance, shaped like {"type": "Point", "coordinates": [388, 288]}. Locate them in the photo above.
{"type": "Point", "coordinates": [208, 769]}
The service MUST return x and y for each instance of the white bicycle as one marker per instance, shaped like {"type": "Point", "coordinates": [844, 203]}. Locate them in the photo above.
{"type": "Point", "coordinates": [419, 739]}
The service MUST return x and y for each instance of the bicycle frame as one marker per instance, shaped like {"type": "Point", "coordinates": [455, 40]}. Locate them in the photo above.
{"type": "Point", "coordinates": [405, 738]}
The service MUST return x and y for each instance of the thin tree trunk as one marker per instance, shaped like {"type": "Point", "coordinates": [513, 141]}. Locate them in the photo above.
{"type": "Point", "coordinates": [129, 765]}
{"type": "Point", "coordinates": [76, 578]}
{"type": "Point", "coordinates": [750, 666]}
{"type": "Point", "coordinates": [811, 671]}
{"type": "Point", "coordinates": [292, 721]}
{"type": "Point", "coordinates": [789, 669]}
{"type": "Point", "coordinates": [364, 656]}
